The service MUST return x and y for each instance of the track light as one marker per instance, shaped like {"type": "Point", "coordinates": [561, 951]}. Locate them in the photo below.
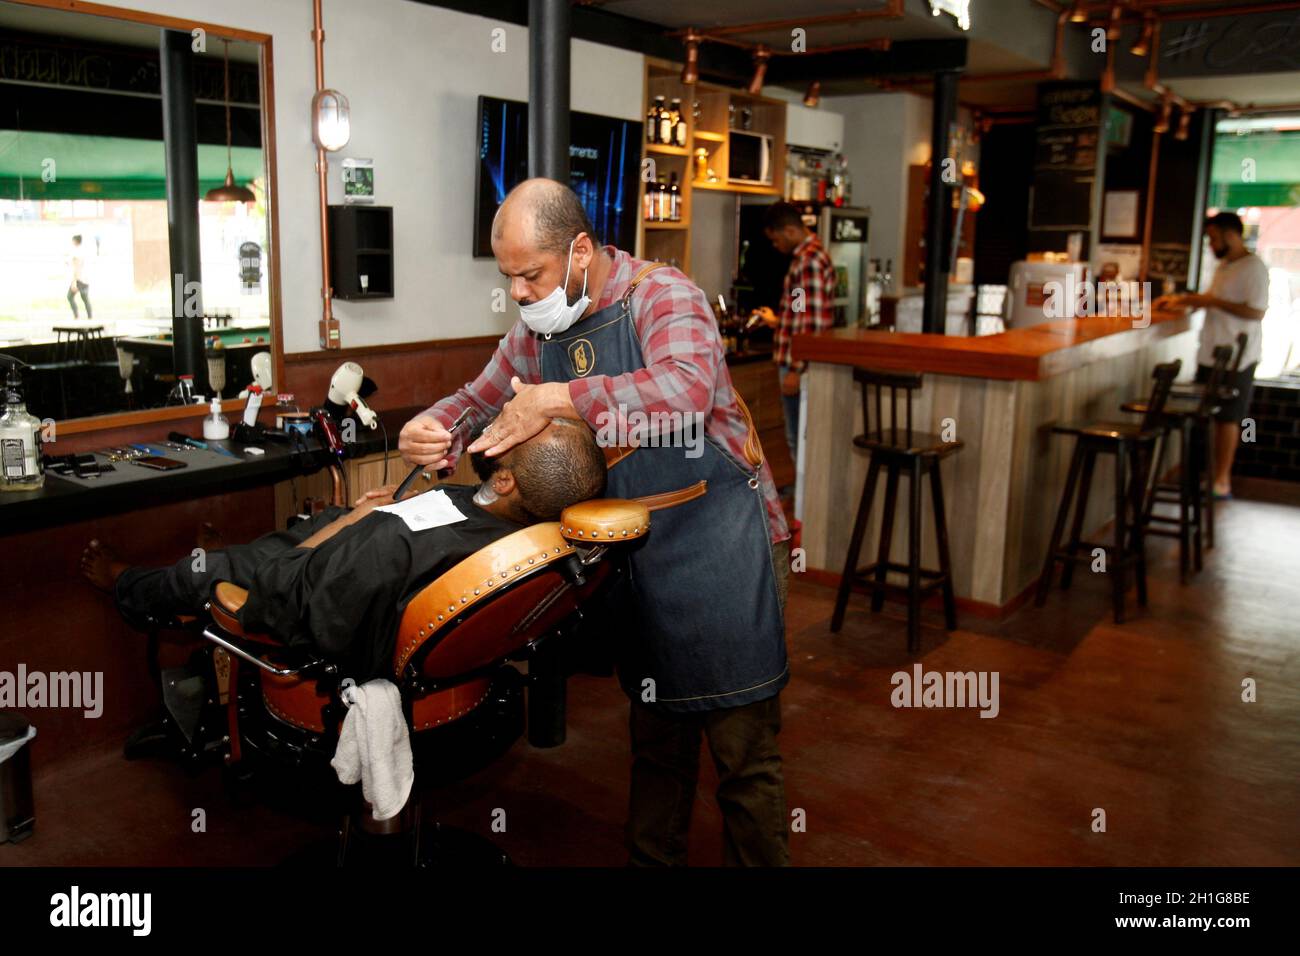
{"type": "Point", "coordinates": [814, 94]}
{"type": "Point", "coordinates": [761, 55]}
{"type": "Point", "coordinates": [1142, 46]}
{"type": "Point", "coordinates": [1113, 28]}
{"type": "Point", "coordinates": [1079, 12]}
{"type": "Point", "coordinates": [1184, 125]}
{"type": "Point", "coordinates": [1162, 118]}
{"type": "Point", "coordinates": [691, 71]}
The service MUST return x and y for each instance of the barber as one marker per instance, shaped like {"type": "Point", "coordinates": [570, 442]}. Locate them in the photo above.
{"type": "Point", "coordinates": [607, 338]}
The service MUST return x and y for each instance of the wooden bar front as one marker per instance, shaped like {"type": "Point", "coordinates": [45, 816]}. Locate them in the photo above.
{"type": "Point", "coordinates": [999, 395]}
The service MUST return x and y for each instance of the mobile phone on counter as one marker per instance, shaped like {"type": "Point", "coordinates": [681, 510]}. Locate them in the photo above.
{"type": "Point", "coordinates": [158, 463]}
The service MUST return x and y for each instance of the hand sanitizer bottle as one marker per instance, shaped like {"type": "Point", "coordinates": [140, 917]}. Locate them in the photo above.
{"type": "Point", "coordinates": [215, 426]}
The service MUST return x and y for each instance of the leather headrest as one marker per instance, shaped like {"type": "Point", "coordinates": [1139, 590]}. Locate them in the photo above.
{"type": "Point", "coordinates": [604, 520]}
{"type": "Point", "coordinates": [230, 597]}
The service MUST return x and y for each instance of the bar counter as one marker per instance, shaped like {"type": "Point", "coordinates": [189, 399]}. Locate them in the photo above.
{"type": "Point", "coordinates": [1002, 394]}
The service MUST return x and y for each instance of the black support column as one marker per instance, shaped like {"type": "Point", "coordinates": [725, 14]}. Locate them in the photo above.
{"type": "Point", "coordinates": [180, 143]}
{"type": "Point", "coordinates": [939, 209]}
{"type": "Point", "coordinates": [548, 89]}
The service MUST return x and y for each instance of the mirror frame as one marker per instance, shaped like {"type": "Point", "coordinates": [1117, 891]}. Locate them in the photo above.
{"type": "Point", "coordinates": [266, 90]}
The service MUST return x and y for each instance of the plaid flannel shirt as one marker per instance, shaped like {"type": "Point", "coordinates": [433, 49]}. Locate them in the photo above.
{"type": "Point", "coordinates": [812, 272]}
{"type": "Point", "coordinates": [685, 372]}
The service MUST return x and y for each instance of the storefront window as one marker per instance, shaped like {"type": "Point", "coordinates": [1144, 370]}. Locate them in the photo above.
{"type": "Point", "coordinates": [1256, 174]}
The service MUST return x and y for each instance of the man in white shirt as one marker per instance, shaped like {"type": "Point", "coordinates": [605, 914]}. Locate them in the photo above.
{"type": "Point", "coordinates": [78, 283]}
{"type": "Point", "coordinates": [1236, 302]}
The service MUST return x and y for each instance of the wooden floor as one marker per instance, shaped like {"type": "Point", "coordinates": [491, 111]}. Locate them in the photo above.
{"type": "Point", "coordinates": [1143, 720]}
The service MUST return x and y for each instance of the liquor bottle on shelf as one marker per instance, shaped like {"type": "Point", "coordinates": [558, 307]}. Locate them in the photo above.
{"type": "Point", "coordinates": [652, 120]}
{"type": "Point", "coordinates": [821, 182]}
{"type": "Point", "coordinates": [674, 199]}
{"type": "Point", "coordinates": [840, 186]}
{"type": "Point", "coordinates": [679, 123]}
{"type": "Point", "coordinates": [662, 211]}
{"type": "Point", "coordinates": [665, 123]}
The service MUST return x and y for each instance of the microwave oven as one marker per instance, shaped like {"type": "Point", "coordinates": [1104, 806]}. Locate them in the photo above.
{"type": "Point", "coordinates": [749, 157]}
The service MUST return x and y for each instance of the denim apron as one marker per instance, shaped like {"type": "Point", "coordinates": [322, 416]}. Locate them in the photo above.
{"type": "Point", "coordinates": [699, 616]}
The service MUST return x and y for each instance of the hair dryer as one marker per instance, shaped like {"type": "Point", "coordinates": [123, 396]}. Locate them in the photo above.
{"type": "Point", "coordinates": [345, 389]}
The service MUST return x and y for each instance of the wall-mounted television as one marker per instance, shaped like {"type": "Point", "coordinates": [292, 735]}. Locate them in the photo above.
{"type": "Point", "coordinates": [604, 157]}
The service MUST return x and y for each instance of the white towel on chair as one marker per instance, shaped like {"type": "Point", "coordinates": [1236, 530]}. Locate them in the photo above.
{"type": "Point", "coordinates": [374, 746]}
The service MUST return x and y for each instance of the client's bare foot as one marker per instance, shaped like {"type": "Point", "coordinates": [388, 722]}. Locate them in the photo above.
{"type": "Point", "coordinates": [209, 538]}
{"type": "Point", "coordinates": [100, 566]}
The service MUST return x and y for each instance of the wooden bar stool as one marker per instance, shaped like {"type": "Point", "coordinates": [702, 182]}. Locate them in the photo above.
{"type": "Point", "coordinates": [1126, 441]}
{"type": "Point", "coordinates": [1191, 414]}
{"type": "Point", "coordinates": [1191, 391]}
{"type": "Point", "coordinates": [901, 452]}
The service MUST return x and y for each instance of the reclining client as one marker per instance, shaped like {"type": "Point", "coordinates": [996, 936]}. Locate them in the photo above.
{"type": "Point", "coordinates": [337, 582]}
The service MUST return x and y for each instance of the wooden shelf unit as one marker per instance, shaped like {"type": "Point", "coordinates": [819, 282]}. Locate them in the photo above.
{"type": "Point", "coordinates": [672, 240]}
{"type": "Point", "coordinates": [666, 241]}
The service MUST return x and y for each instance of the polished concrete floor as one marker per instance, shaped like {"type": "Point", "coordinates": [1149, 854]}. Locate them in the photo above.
{"type": "Point", "coordinates": [1144, 721]}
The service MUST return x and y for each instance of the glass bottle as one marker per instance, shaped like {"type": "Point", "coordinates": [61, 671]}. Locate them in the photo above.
{"type": "Point", "coordinates": [652, 120]}
{"type": "Point", "coordinates": [21, 466]}
{"type": "Point", "coordinates": [674, 199]}
{"type": "Point", "coordinates": [665, 123]}
{"type": "Point", "coordinates": [679, 123]}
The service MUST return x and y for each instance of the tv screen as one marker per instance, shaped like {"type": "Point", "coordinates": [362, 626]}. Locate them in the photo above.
{"type": "Point", "coordinates": [604, 156]}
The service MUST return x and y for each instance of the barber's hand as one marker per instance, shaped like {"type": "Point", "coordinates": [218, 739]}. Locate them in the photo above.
{"type": "Point", "coordinates": [424, 442]}
{"type": "Point", "coordinates": [767, 315]}
{"type": "Point", "coordinates": [790, 383]}
{"type": "Point", "coordinates": [522, 417]}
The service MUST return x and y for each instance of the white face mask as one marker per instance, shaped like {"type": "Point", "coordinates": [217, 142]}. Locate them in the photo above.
{"type": "Point", "coordinates": [554, 314]}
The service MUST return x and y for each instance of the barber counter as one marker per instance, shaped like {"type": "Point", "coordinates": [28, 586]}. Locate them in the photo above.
{"type": "Point", "coordinates": [57, 623]}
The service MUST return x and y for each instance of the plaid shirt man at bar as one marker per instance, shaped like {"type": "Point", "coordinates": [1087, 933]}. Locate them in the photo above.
{"type": "Point", "coordinates": [807, 302]}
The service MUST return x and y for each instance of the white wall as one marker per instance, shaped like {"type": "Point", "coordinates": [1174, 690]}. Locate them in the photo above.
{"type": "Point", "coordinates": [412, 74]}
{"type": "Point", "coordinates": [883, 134]}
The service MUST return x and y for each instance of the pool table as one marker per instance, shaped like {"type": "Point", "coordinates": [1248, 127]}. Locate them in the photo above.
{"type": "Point", "coordinates": [155, 370]}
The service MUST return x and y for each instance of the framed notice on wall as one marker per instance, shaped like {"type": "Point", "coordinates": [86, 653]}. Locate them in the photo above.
{"type": "Point", "coordinates": [358, 180]}
{"type": "Point", "coordinates": [1119, 217]}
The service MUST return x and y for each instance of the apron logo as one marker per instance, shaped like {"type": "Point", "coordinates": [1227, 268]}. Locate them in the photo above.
{"type": "Point", "coordinates": [582, 356]}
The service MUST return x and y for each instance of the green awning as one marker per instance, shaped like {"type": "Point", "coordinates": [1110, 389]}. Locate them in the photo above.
{"type": "Point", "coordinates": [105, 167]}
{"type": "Point", "coordinates": [1257, 169]}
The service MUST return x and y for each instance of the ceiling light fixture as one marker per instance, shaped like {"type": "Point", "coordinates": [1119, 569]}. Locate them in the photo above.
{"type": "Point", "coordinates": [1162, 119]}
{"type": "Point", "coordinates": [228, 191]}
{"type": "Point", "coordinates": [1184, 125]}
{"type": "Point", "coordinates": [1079, 12]}
{"type": "Point", "coordinates": [691, 71]}
{"type": "Point", "coordinates": [1113, 27]}
{"type": "Point", "coordinates": [814, 94]}
{"type": "Point", "coordinates": [1142, 46]}
{"type": "Point", "coordinates": [761, 55]}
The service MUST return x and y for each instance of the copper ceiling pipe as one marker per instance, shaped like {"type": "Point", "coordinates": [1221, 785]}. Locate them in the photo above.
{"type": "Point", "coordinates": [893, 10]}
{"type": "Point", "coordinates": [329, 331]}
{"type": "Point", "coordinates": [877, 45]}
{"type": "Point", "coordinates": [1150, 216]}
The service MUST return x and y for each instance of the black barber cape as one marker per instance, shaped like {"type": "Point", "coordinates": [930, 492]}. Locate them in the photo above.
{"type": "Point", "coordinates": [345, 598]}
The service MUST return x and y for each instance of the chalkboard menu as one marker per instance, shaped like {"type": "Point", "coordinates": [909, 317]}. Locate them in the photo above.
{"type": "Point", "coordinates": [1065, 156]}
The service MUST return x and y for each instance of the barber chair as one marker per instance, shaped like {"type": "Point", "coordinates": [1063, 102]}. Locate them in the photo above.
{"type": "Point", "coordinates": [459, 637]}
